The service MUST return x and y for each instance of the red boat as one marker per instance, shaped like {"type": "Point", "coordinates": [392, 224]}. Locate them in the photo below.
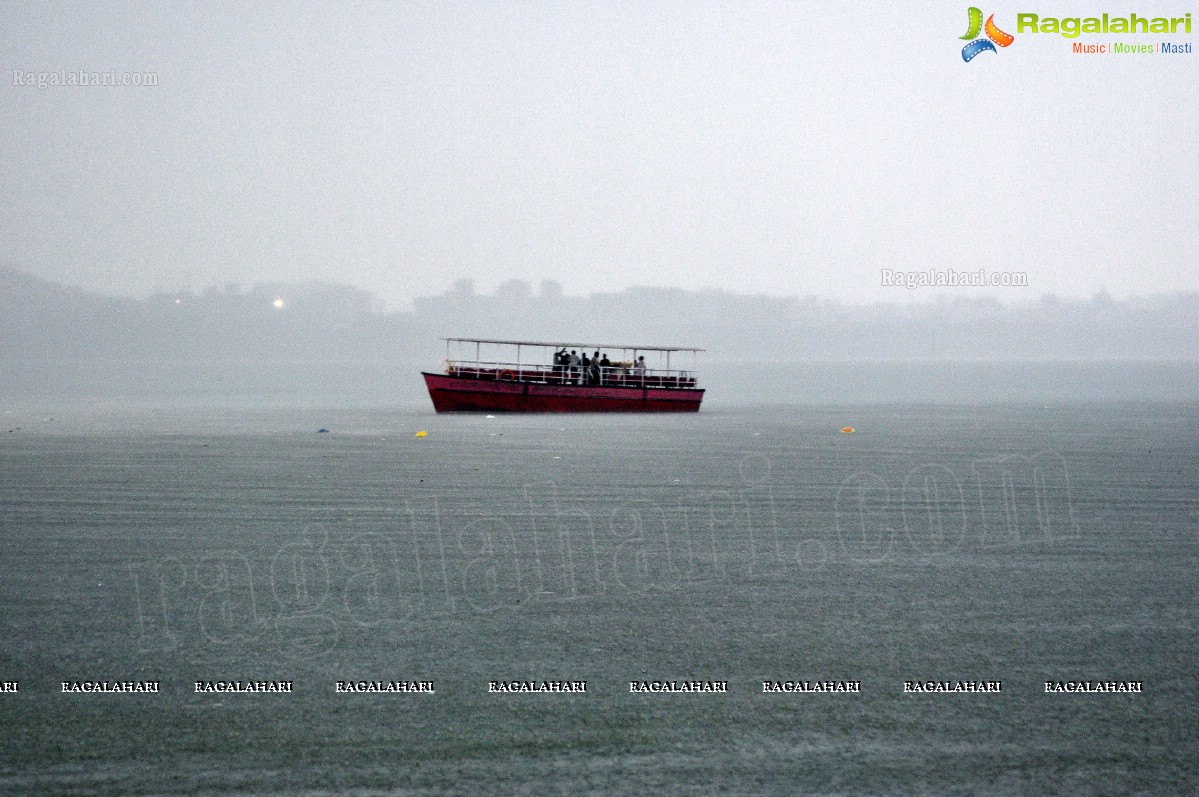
{"type": "Point", "coordinates": [532, 376]}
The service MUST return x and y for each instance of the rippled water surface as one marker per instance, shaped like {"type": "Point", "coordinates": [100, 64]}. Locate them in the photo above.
{"type": "Point", "coordinates": [1015, 543]}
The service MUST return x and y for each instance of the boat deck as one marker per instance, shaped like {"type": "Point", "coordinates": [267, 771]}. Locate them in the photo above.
{"type": "Point", "coordinates": [550, 375]}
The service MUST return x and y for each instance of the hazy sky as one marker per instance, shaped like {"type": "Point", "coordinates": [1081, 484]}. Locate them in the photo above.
{"type": "Point", "coordinates": [786, 148]}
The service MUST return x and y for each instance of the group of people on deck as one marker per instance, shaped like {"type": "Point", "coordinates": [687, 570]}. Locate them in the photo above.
{"type": "Point", "coordinates": [594, 370]}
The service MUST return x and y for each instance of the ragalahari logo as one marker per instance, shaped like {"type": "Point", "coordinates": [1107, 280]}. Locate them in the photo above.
{"type": "Point", "coordinates": [994, 34]}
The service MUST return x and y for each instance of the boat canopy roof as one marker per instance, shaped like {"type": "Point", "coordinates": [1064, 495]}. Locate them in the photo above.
{"type": "Point", "coordinates": [558, 344]}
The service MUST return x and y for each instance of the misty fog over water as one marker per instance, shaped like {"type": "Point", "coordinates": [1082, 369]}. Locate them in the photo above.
{"type": "Point", "coordinates": [948, 310]}
{"type": "Point", "coordinates": [328, 342]}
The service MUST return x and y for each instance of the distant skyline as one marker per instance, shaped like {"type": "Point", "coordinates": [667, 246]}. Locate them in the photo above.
{"type": "Point", "coordinates": [778, 148]}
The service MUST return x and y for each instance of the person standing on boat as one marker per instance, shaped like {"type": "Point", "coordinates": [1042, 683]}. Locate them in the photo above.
{"type": "Point", "coordinates": [585, 376]}
{"type": "Point", "coordinates": [573, 362]}
{"type": "Point", "coordinates": [639, 370]}
{"type": "Point", "coordinates": [605, 368]}
{"type": "Point", "coordinates": [561, 360]}
{"type": "Point", "coordinates": [593, 376]}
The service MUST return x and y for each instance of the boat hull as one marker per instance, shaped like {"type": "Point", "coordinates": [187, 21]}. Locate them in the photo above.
{"type": "Point", "coordinates": [464, 394]}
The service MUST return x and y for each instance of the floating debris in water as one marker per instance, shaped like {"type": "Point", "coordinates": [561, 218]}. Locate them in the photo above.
{"type": "Point", "coordinates": [848, 430]}
{"type": "Point", "coordinates": [322, 430]}
{"type": "Point", "coordinates": [422, 433]}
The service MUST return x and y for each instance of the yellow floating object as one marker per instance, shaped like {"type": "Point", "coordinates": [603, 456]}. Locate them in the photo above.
{"type": "Point", "coordinates": [848, 430]}
{"type": "Point", "coordinates": [422, 434]}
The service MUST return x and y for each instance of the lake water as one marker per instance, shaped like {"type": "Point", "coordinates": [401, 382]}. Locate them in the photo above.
{"type": "Point", "coordinates": [1019, 543]}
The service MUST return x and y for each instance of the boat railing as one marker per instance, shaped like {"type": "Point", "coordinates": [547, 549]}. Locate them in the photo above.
{"type": "Point", "coordinates": [611, 376]}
